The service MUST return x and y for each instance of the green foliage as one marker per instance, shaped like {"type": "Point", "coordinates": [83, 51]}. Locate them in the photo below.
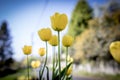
{"type": "Point", "coordinates": [80, 16]}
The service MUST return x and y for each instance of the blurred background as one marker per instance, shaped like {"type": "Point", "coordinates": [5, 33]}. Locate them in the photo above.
{"type": "Point", "coordinates": [94, 24]}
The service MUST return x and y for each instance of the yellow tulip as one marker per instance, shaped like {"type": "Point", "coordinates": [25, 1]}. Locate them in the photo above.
{"type": "Point", "coordinates": [35, 64]}
{"type": "Point", "coordinates": [41, 51]}
{"type": "Point", "coordinates": [59, 21]}
{"type": "Point", "coordinates": [67, 41]}
{"type": "Point", "coordinates": [53, 41]}
{"type": "Point", "coordinates": [69, 71]}
{"type": "Point", "coordinates": [27, 49]}
{"type": "Point", "coordinates": [115, 50]}
{"type": "Point", "coordinates": [45, 34]}
{"type": "Point", "coordinates": [69, 59]}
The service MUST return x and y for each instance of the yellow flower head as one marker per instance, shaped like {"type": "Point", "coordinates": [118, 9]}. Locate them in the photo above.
{"type": "Point", "coordinates": [69, 71]}
{"type": "Point", "coordinates": [115, 50]}
{"type": "Point", "coordinates": [45, 34]}
{"type": "Point", "coordinates": [53, 41]}
{"type": "Point", "coordinates": [35, 64]}
{"type": "Point", "coordinates": [41, 51]}
{"type": "Point", "coordinates": [59, 21]}
{"type": "Point", "coordinates": [27, 49]}
{"type": "Point", "coordinates": [69, 59]}
{"type": "Point", "coordinates": [67, 41]}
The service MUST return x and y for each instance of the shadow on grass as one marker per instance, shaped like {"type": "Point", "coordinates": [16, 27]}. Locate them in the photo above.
{"type": "Point", "coordinates": [15, 75]}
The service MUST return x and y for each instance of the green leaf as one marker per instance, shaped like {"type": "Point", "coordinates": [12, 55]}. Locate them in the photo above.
{"type": "Point", "coordinates": [47, 72]}
{"type": "Point", "coordinates": [40, 73]}
{"type": "Point", "coordinates": [69, 77]}
{"type": "Point", "coordinates": [55, 73]}
{"type": "Point", "coordinates": [63, 71]}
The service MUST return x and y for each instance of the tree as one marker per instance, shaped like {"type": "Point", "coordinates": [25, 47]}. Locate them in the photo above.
{"type": "Point", "coordinates": [112, 13]}
{"type": "Point", "coordinates": [80, 16]}
{"type": "Point", "coordinates": [93, 43]}
{"type": "Point", "coordinates": [5, 42]}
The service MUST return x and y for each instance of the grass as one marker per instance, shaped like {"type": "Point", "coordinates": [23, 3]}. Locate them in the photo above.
{"type": "Point", "coordinates": [112, 77]}
{"type": "Point", "coordinates": [101, 76]}
{"type": "Point", "coordinates": [9, 77]}
{"type": "Point", "coordinates": [15, 75]}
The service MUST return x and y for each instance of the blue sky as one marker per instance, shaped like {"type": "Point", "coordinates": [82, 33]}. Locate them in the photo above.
{"type": "Point", "coordinates": [26, 17]}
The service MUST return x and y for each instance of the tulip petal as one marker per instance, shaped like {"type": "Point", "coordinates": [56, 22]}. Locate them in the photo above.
{"type": "Point", "coordinates": [115, 50]}
{"type": "Point", "coordinates": [45, 34]}
{"type": "Point", "coordinates": [27, 49]}
{"type": "Point", "coordinates": [59, 21]}
{"type": "Point", "coordinates": [63, 21]}
{"type": "Point", "coordinates": [67, 41]}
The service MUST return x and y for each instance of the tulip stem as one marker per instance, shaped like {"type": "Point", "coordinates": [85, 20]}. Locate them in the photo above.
{"type": "Point", "coordinates": [66, 55]}
{"type": "Point", "coordinates": [28, 67]}
{"type": "Point", "coordinates": [53, 63]}
{"type": "Point", "coordinates": [66, 60]}
{"type": "Point", "coordinates": [56, 59]}
{"type": "Point", "coordinates": [45, 62]}
{"type": "Point", "coordinates": [35, 74]}
{"type": "Point", "coordinates": [59, 55]}
{"type": "Point", "coordinates": [66, 64]}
